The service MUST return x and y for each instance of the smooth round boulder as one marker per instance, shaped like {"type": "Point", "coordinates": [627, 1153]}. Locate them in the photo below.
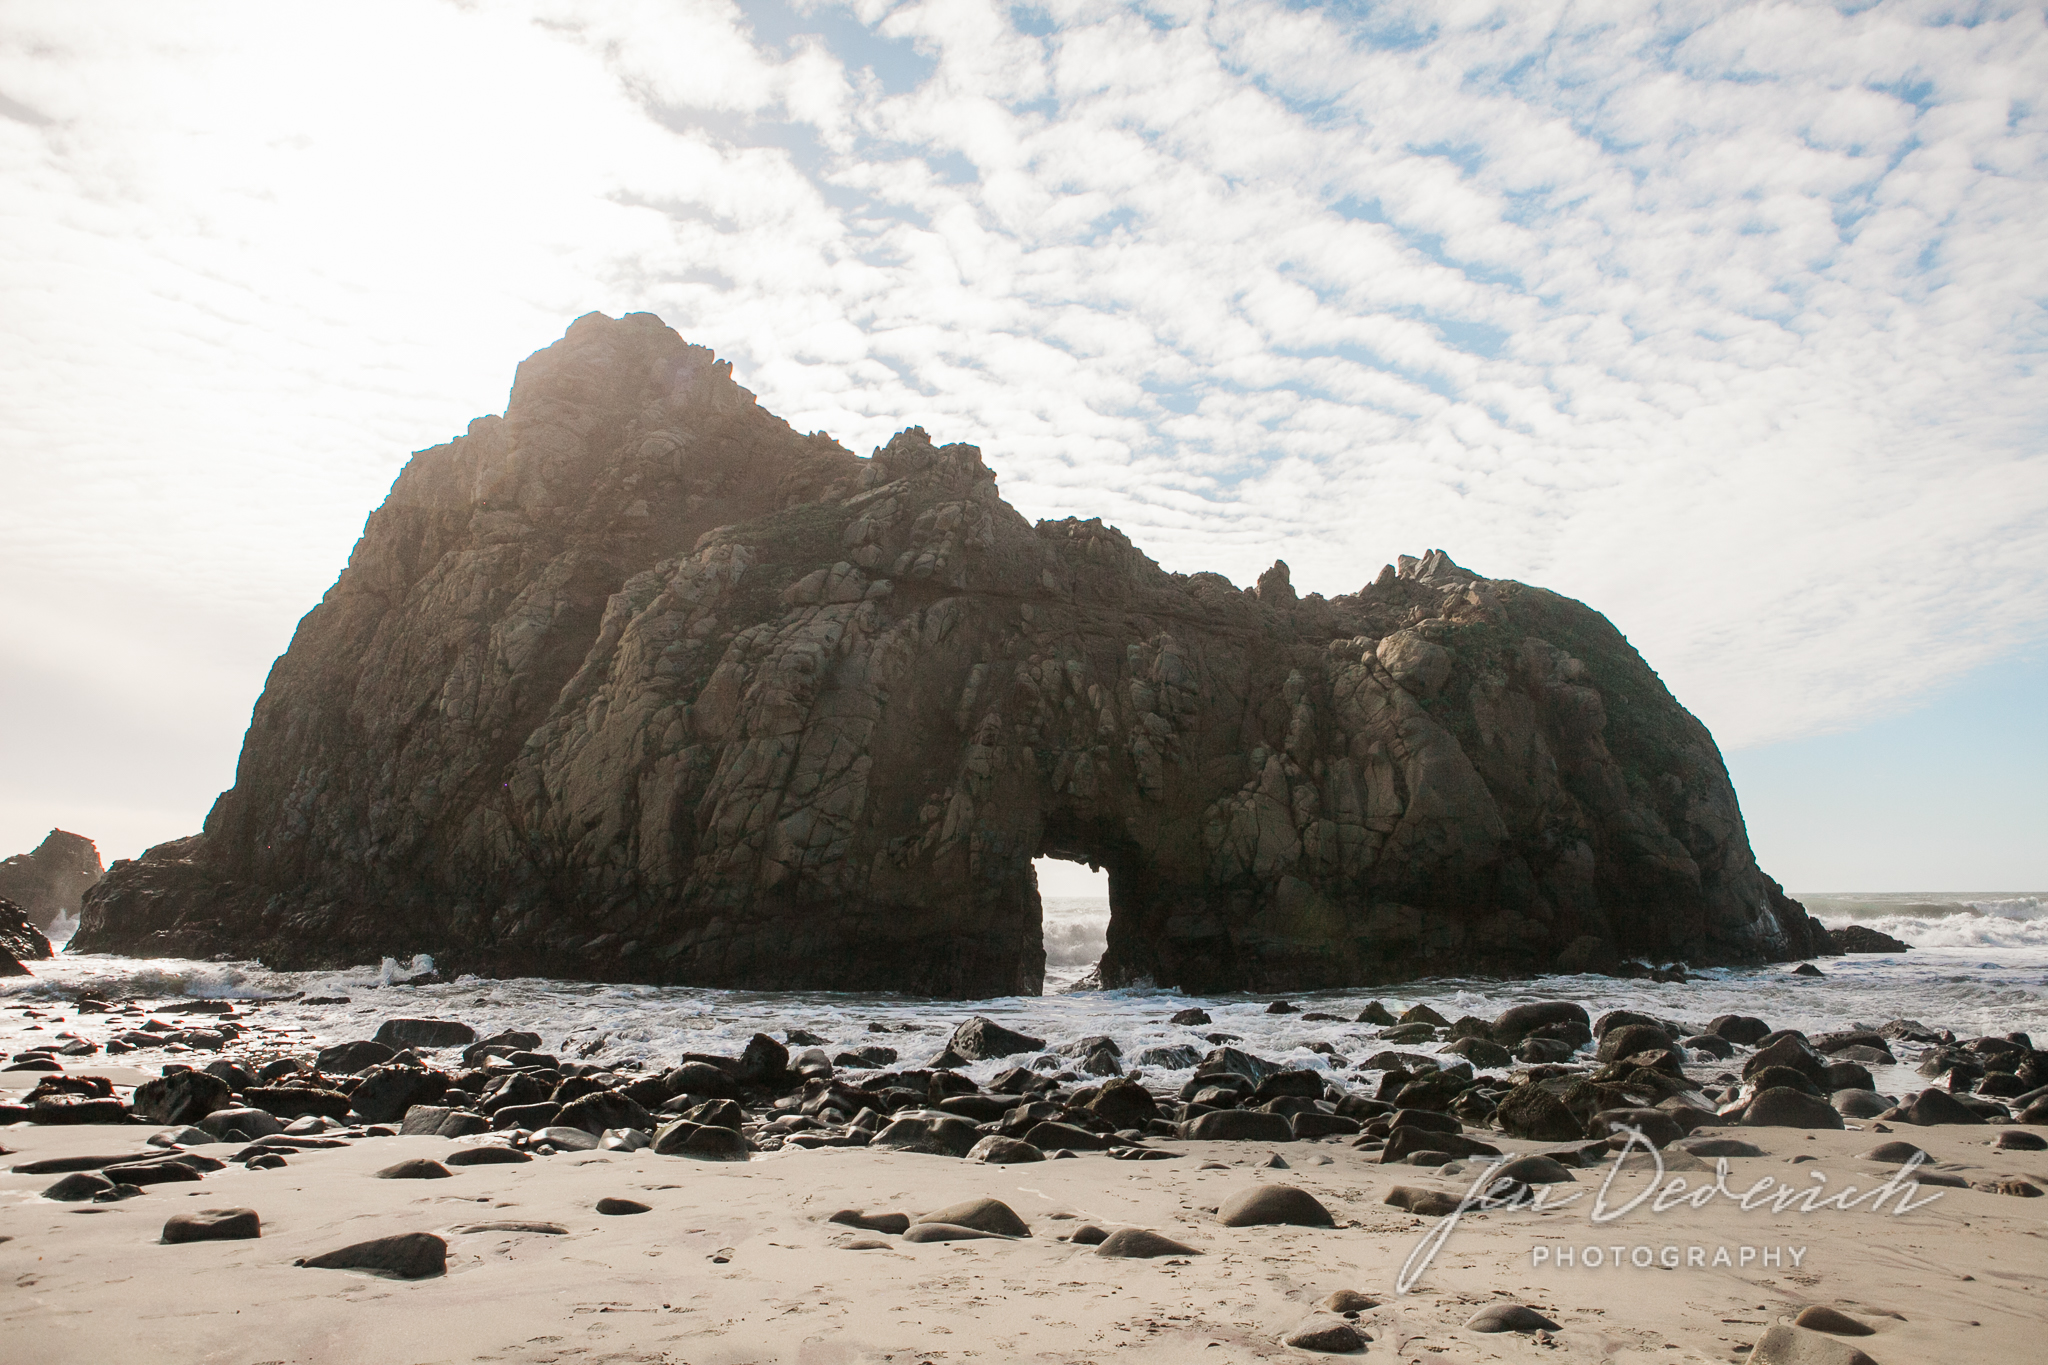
{"type": "Point", "coordinates": [1859, 1104]}
{"type": "Point", "coordinates": [1264, 1205]}
{"type": "Point", "coordinates": [1517, 1022]}
{"type": "Point", "coordinates": [213, 1225]}
{"type": "Point", "coordinates": [1658, 1128]}
{"type": "Point", "coordinates": [2013, 1140]}
{"type": "Point", "coordinates": [1536, 1170]}
{"type": "Point", "coordinates": [983, 1215]}
{"type": "Point", "coordinates": [1895, 1153]}
{"type": "Point", "coordinates": [996, 1150]}
{"type": "Point", "coordinates": [77, 1187]}
{"type": "Point", "coordinates": [1142, 1244]}
{"type": "Point", "coordinates": [619, 1207]}
{"type": "Point", "coordinates": [491, 1155]}
{"type": "Point", "coordinates": [1783, 1107]}
{"type": "Point", "coordinates": [1240, 1125]}
{"type": "Point", "coordinates": [1350, 1300]}
{"type": "Point", "coordinates": [895, 1224]}
{"type": "Point", "coordinates": [415, 1168]}
{"type": "Point", "coordinates": [250, 1123]}
{"type": "Point", "coordinates": [1745, 1029]}
{"type": "Point", "coordinates": [1420, 1202]}
{"type": "Point", "coordinates": [1931, 1107]}
{"type": "Point", "coordinates": [1328, 1335]}
{"type": "Point", "coordinates": [1788, 1345]}
{"type": "Point", "coordinates": [1088, 1235]}
{"type": "Point", "coordinates": [1821, 1318]}
{"type": "Point", "coordinates": [944, 1232]}
{"type": "Point", "coordinates": [1509, 1317]}
{"type": "Point", "coordinates": [407, 1256]}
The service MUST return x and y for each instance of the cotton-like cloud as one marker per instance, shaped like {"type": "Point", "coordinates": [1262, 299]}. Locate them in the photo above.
{"type": "Point", "coordinates": [1726, 318]}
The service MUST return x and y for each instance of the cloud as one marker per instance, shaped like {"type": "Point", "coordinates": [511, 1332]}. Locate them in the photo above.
{"type": "Point", "coordinates": [1725, 318]}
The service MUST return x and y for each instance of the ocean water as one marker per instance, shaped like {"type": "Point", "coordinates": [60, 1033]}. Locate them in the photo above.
{"type": "Point", "coordinates": [1979, 964]}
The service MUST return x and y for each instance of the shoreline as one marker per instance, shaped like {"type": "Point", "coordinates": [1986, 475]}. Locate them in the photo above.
{"type": "Point", "coordinates": [624, 1210]}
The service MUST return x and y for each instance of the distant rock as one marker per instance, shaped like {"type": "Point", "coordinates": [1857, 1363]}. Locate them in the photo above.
{"type": "Point", "coordinates": [1861, 938]}
{"type": "Point", "coordinates": [20, 940]}
{"type": "Point", "coordinates": [51, 880]}
{"type": "Point", "coordinates": [673, 693]}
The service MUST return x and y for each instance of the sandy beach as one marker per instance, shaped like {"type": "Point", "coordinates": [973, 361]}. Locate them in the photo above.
{"type": "Point", "coordinates": [736, 1262]}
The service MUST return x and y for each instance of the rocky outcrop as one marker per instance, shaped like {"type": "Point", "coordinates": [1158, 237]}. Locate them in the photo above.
{"type": "Point", "coordinates": [1861, 938]}
{"type": "Point", "coordinates": [636, 682]}
{"type": "Point", "coordinates": [20, 940]}
{"type": "Point", "coordinates": [51, 881]}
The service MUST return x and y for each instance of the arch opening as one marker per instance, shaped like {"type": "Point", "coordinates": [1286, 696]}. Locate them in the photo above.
{"type": "Point", "coordinates": [1074, 909]}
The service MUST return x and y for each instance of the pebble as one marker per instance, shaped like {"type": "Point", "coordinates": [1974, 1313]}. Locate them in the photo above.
{"type": "Point", "coordinates": [516, 1225]}
{"type": "Point", "coordinates": [864, 1244]}
{"type": "Point", "coordinates": [892, 1223]}
{"type": "Point", "coordinates": [1142, 1244]}
{"type": "Point", "coordinates": [1274, 1204]}
{"type": "Point", "coordinates": [1088, 1235]}
{"type": "Point", "coordinates": [415, 1168]}
{"type": "Point", "coordinates": [1509, 1317]}
{"type": "Point", "coordinates": [610, 1205]}
{"type": "Point", "coordinates": [1348, 1301]}
{"type": "Point", "coordinates": [213, 1225]}
{"type": "Point", "coordinates": [1894, 1152]}
{"type": "Point", "coordinates": [266, 1161]}
{"type": "Point", "coordinates": [407, 1256]}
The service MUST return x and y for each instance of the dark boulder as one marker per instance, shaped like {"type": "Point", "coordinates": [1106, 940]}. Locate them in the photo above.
{"type": "Point", "coordinates": [397, 1033]}
{"type": "Point", "coordinates": [408, 1256]}
{"type": "Point", "coordinates": [1745, 1029]}
{"type": "Point", "coordinates": [1239, 1125]}
{"type": "Point", "coordinates": [1536, 1113]}
{"type": "Point", "coordinates": [602, 1110]}
{"type": "Point", "coordinates": [981, 1039]}
{"type": "Point", "coordinates": [1264, 1205]}
{"type": "Point", "coordinates": [1783, 1107]}
{"type": "Point", "coordinates": [1931, 1107]}
{"type": "Point", "coordinates": [347, 1059]}
{"type": "Point", "coordinates": [1861, 938]}
{"type": "Point", "coordinates": [182, 1097]}
{"type": "Point", "coordinates": [387, 1092]}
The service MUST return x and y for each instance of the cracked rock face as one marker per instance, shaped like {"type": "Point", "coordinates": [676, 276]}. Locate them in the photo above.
{"type": "Point", "coordinates": [638, 683]}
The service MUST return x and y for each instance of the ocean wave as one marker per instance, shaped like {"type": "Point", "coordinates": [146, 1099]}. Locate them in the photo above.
{"type": "Point", "coordinates": [1964, 930]}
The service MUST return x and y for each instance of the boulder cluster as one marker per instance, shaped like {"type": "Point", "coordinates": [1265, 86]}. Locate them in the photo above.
{"type": "Point", "coordinates": [1542, 1071]}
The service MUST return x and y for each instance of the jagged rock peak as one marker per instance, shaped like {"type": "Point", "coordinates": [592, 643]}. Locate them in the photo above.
{"type": "Point", "coordinates": [51, 880]}
{"type": "Point", "coordinates": [636, 682]}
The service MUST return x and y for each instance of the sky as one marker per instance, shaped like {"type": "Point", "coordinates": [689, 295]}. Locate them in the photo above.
{"type": "Point", "coordinates": [1724, 318]}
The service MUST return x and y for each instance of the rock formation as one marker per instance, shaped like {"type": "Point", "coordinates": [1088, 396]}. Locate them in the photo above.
{"type": "Point", "coordinates": [50, 881]}
{"type": "Point", "coordinates": [20, 940]}
{"type": "Point", "coordinates": [638, 683]}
